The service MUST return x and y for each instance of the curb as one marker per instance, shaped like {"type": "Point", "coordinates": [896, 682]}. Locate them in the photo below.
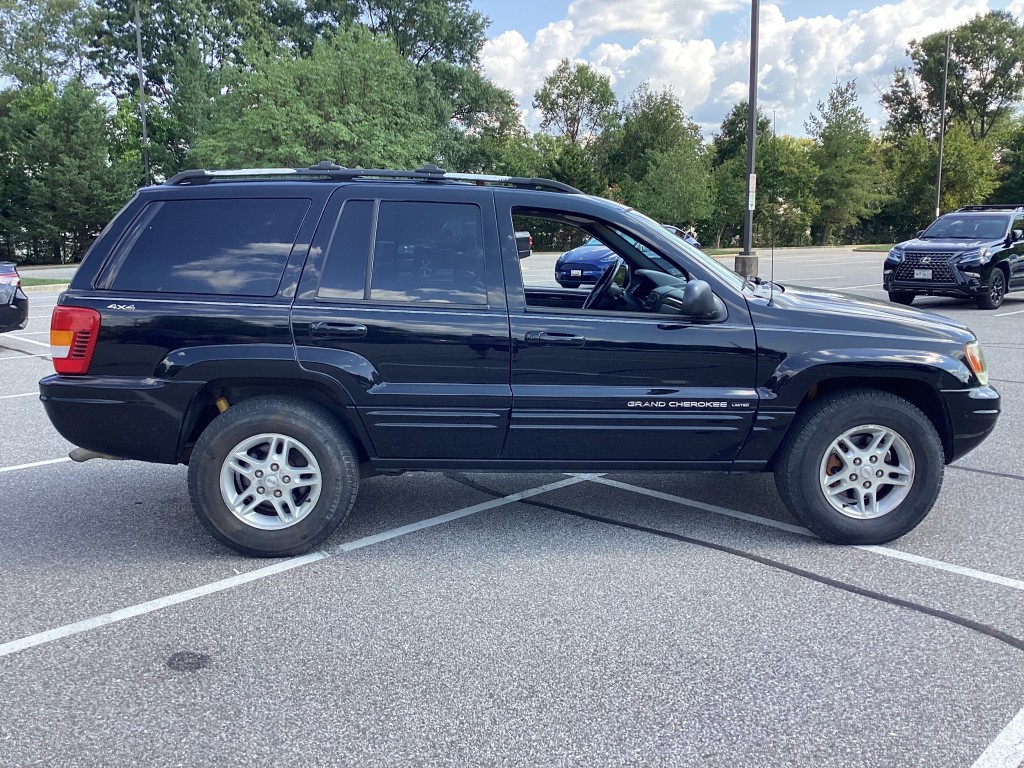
{"type": "Point", "coordinates": [54, 288]}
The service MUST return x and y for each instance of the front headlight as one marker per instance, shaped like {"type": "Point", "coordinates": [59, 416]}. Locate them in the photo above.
{"type": "Point", "coordinates": [973, 258]}
{"type": "Point", "coordinates": [975, 359]}
{"type": "Point", "coordinates": [610, 257]}
{"type": "Point", "coordinates": [895, 255]}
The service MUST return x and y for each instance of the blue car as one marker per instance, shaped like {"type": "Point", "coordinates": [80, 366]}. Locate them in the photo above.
{"type": "Point", "coordinates": [588, 262]}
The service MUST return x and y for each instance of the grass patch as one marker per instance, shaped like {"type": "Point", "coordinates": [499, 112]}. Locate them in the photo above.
{"type": "Point", "coordinates": [30, 281]}
{"type": "Point", "coordinates": [722, 251]}
{"type": "Point", "coordinates": [873, 248]}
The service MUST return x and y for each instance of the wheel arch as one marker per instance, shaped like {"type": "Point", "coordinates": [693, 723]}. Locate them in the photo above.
{"type": "Point", "coordinates": [214, 395]}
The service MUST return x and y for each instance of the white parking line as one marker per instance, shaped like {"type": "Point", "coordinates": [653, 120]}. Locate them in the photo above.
{"type": "Point", "coordinates": [58, 633]}
{"type": "Point", "coordinates": [851, 287]}
{"type": "Point", "coordinates": [30, 341]}
{"type": "Point", "coordinates": [31, 464]}
{"type": "Point", "coordinates": [938, 565]}
{"type": "Point", "coordinates": [1007, 314]}
{"type": "Point", "coordinates": [21, 357]}
{"type": "Point", "coordinates": [20, 394]}
{"type": "Point", "coordinates": [1007, 751]}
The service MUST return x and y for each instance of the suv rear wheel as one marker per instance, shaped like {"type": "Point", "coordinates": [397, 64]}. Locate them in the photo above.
{"type": "Point", "coordinates": [861, 467]}
{"type": "Point", "coordinates": [994, 294]}
{"type": "Point", "coordinates": [273, 476]}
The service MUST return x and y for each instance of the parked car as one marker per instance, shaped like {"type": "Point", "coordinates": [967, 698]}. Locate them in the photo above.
{"type": "Point", "coordinates": [13, 301]}
{"type": "Point", "coordinates": [285, 333]}
{"type": "Point", "coordinates": [585, 264]}
{"type": "Point", "coordinates": [524, 243]}
{"type": "Point", "coordinates": [975, 253]}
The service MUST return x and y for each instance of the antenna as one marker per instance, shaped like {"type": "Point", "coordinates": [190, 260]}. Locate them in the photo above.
{"type": "Point", "coordinates": [775, 212]}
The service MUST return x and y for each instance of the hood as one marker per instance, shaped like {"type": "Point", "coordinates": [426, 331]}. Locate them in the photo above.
{"type": "Point", "coordinates": [589, 254]}
{"type": "Point", "coordinates": [917, 245]}
{"type": "Point", "coordinates": [829, 310]}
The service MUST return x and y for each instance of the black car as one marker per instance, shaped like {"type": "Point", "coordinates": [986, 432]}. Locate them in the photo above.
{"type": "Point", "coordinates": [287, 333]}
{"type": "Point", "coordinates": [975, 253]}
{"type": "Point", "coordinates": [13, 301]}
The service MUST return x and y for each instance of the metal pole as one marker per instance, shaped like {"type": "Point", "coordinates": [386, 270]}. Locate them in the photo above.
{"type": "Point", "coordinates": [142, 92]}
{"type": "Point", "coordinates": [746, 262]}
{"type": "Point", "coordinates": [942, 133]}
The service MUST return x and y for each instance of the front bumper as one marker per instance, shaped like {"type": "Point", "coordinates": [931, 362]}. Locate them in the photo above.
{"type": "Point", "coordinates": [961, 284]}
{"type": "Point", "coordinates": [973, 414]}
{"type": "Point", "coordinates": [577, 273]}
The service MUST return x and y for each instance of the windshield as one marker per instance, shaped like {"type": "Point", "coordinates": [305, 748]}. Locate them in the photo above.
{"type": "Point", "coordinates": [968, 228]}
{"type": "Point", "coordinates": [694, 254]}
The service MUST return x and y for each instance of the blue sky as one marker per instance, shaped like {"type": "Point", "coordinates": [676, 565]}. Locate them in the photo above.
{"type": "Point", "coordinates": [700, 48]}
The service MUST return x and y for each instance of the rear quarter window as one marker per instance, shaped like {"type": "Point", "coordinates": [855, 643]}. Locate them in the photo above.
{"type": "Point", "coordinates": [222, 247]}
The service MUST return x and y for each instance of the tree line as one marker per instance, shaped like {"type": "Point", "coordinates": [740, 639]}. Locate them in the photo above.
{"type": "Point", "coordinates": [398, 83]}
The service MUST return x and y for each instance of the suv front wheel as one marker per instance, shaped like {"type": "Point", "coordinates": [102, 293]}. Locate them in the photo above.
{"type": "Point", "coordinates": [861, 467]}
{"type": "Point", "coordinates": [273, 476]}
{"type": "Point", "coordinates": [993, 295]}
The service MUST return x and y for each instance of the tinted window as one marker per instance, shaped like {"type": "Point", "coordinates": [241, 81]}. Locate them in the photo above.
{"type": "Point", "coordinates": [428, 252]}
{"type": "Point", "coordinates": [344, 274]}
{"type": "Point", "coordinates": [227, 247]}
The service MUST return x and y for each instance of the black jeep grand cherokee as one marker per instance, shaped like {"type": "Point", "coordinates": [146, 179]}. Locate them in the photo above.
{"type": "Point", "coordinates": [286, 332]}
{"type": "Point", "coordinates": [975, 253]}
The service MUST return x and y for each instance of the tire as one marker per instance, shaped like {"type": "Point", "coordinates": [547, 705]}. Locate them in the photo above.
{"type": "Point", "coordinates": [995, 291]}
{"type": "Point", "coordinates": [568, 284]}
{"type": "Point", "coordinates": [810, 462]}
{"type": "Point", "coordinates": [906, 298]}
{"type": "Point", "coordinates": [285, 514]}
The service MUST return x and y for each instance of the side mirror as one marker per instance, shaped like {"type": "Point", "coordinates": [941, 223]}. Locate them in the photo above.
{"type": "Point", "coordinates": [1018, 234]}
{"type": "Point", "coordinates": [695, 300]}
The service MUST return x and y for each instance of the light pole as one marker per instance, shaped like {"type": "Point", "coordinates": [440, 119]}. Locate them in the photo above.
{"type": "Point", "coordinates": [942, 134]}
{"type": "Point", "coordinates": [746, 262]}
{"type": "Point", "coordinates": [142, 92]}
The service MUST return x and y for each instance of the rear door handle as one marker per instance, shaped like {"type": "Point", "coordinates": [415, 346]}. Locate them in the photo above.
{"type": "Point", "coordinates": [673, 326]}
{"type": "Point", "coordinates": [338, 330]}
{"type": "Point", "coordinates": [554, 339]}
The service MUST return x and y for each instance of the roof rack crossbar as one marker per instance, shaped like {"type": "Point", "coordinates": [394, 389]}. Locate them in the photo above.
{"type": "Point", "coordinates": [326, 169]}
{"type": "Point", "coordinates": [998, 207]}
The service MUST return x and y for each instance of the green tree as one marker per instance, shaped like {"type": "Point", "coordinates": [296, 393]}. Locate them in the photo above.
{"type": "Point", "coordinates": [575, 100]}
{"type": "Point", "coordinates": [42, 40]}
{"type": "Point", "coordinates": [353, 99]}
{"type": "Point", "coordinates": [676, 190]}
{"type": "Point", "coordinates": [59, 185]}
{"type": "Point", "coordinates": [425, 31]}
{"type": "Point", "coordinates": [848, 185]}
{"type": "Point", "coordinates": [986, 77]}
{"type": "Point", "coordinates": [652, 124]}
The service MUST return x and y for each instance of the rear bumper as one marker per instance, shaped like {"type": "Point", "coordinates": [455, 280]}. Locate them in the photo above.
{"type": "Point", "coordinates": [128, 417]}
{"type": "Point", "coordinates": [973, 414]}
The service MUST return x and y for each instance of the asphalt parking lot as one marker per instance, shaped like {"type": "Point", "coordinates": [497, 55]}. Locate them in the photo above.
{"type": "Point", "coordinates": [520, 619]}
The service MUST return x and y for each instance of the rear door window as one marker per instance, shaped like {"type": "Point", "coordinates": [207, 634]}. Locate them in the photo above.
{"type": "Point", "coordinates": [222, 247]}
{"type": "Point", "coordinates": [428, 252]}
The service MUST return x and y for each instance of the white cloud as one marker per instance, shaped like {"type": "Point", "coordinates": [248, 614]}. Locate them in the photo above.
{"type": "Point", "coordinates": [799, 58]}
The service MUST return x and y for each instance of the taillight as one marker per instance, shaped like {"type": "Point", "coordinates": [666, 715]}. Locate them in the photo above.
{"type": "Point", "coordinates": [10, 278]}
{"type": "Point", "coordinates": [531, 242]}
{"type": "Point", "coordinates": [73, 332]}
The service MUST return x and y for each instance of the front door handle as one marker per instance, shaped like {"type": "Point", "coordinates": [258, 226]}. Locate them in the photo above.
{"type": "Point", "coordinates": [673, 326]}
{"type": "Point", "coordinates": [554, 339]}
{"type": "Point", "coordinates": [338, 330]}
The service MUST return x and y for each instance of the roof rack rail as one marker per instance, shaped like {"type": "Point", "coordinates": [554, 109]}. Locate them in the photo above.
{"type": "Point", "coordinates": [1000, 207]}
{"type": "Point", "coordinates": [327, 169]}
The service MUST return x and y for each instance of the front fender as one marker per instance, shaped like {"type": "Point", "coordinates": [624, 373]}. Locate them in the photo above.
{"type": "Point", "coordinates": [789, 383]}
